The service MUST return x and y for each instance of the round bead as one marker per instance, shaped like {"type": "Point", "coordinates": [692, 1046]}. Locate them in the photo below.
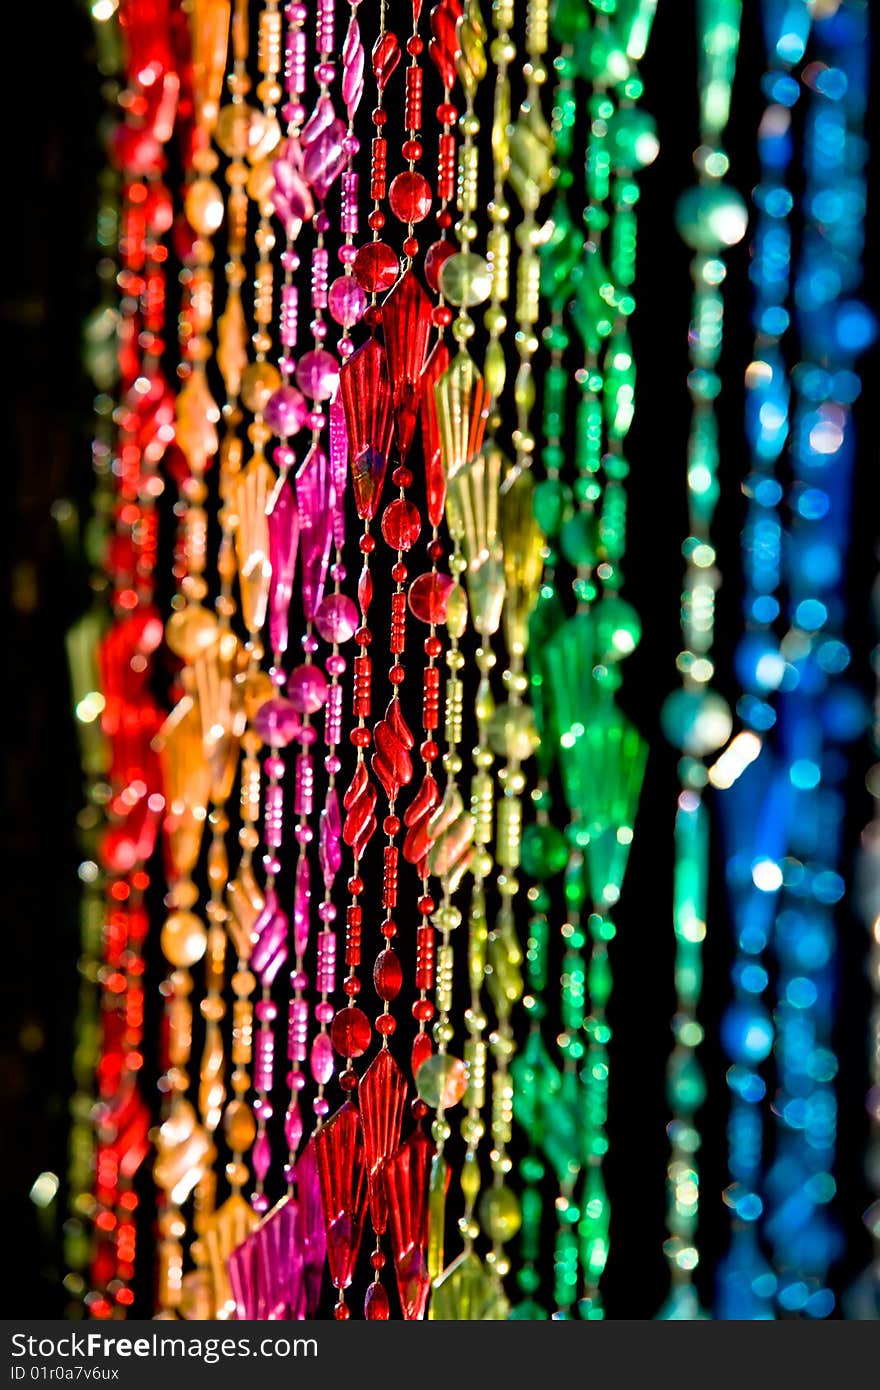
{"type": "Point", "coordinates": [317, 374]}
{"type": "Point", "coordinates": [429, 597]}
{"type": "Point", "coordinates": [346, 301]}
{"type": "Point", "coordinates": [350, 1032]}
{"type": "Point", "coordinates": [307, 688]}
{"type": "Point", "coordinates": [711, 217]}
{"type": "Point", "coordinates": [465, 279]}
{"type": "Point", "coordinates": [191, 632]}
{"type": "Point", "coordinates": [277, 722]}
{"type": "Point", "coordinates": [336, 618]}
{"type": "Point", "coordinates": [618, 628]}
{"type": "Point", "coordinates": [500, 1213]}
{"type": "Point", "coordinates": [441, 1081]}
{"type": "Point", "coordinates": [204, 206]}
{"type": "Point", "coordinates": [239, 1126]}
{"type": "Point", "coordinates": [544, 851]}
{"type": "Point", "coordinates": [385, 1025]}
{"type": "Point", "coordinates": [747, 1033]}
{"type": "Point", "coordinates": [376, 1307]}
{"type": "Point", "coordinates": [409, 196]}
{"type": "Point", "coordinates": [401, 524]}
{"type": "Point", "coordinates": [259, 381]}
{"type": "Point", "coordinates": [512, 732]}
{"type": "Point", "coordinates": [376, 267]}
{"type": "Point", "coordinates": [286, 411]}
{"type": "Point", "coordinates": [696, 721]}
{"type": "Point", "coordinates": [184, 939]}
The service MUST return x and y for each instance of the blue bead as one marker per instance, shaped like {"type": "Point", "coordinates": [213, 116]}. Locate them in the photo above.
{"type": "Point", "coordinates": [747, 1033]}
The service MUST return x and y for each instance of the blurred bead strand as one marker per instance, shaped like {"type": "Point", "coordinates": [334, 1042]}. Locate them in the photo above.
{"type": "Point", "coordinates": [820, 711]}
{"type": "Point", "coordinates": [82, 641]}
{"type": "Point", "coordinates": [710, 218]}
{"type": "Point", "coordinates": [745, 771]}
{"type": "Point", "coordinates": [130, 716]}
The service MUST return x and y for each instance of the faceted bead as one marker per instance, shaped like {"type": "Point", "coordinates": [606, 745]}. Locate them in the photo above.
{"type": "Point", "coordinates": [191, 632]}
{"type": "Point", "coordinates": [323, 145]}
{"type": "Point", "coordinates": [633, 137]}
{"type": "Point", "coordinates": [711, 217]}
{"type": "Point", "coordinates": [429, 596]}
{"type": "Point", "coordinates": [409, 196]}
{"type": "Point", "coordinates": [406, 320]}
{"type": "Point", "coordinates": [307, 688]}
{"type": "Point", "coordinates": [350, 1032]}
{"type": "Point", "coordinates": [336, 618]}
{"type": "Point", "coordinates": [286, 411]}
{"type": "Point", "coordinates": [436, 256]}
{"type": "Point", "coordinates": [382, 1097]}
{"type": "Point", "coordinates": [421, 1050]}
{"type": "Point", "coordinates": [388, 975]}
{"type": "Point", "coordinates": [315, 499]}
{"type": "Point", "coordinates": [435, 480]}
{"type": "Point", "coordinates": [544, 851]}
{"type": "Point", "coordinates": [697, 722]}
{"type": "Point", "coordinates": [407, 1177]}
{"type": "Point", "coordinates": [317, 374]}
{"type": "Point", "coordinates": [466, 279]}
{"type": "Point", "coordinates": [346, 301]}
{"type": "Point", "coordinates": [376, 1306]}
{"type": "Point", "coordinates": [376, 267]}
{"type": "Point", "coordinates": [401, 524]}
{"type": "Point", "coordinates": [618, 628]}
{"type": "Point", "coordinates": [500, 1213]}
{"type": "Point", "coordinates": [366, 397]}
{"type": "Point", "coordinates": [321, 1059]}
{"type": "Point", "coordinates": [512, 732]}
{"type": "Point", "coordinates": [339, 1155]}
{"type": "Point", "coordinates": [441, 1081]}
{"type": "Point", "coordinates": [283, 523]}
{"type": "Point", "coordinates": [277, 722]}
{"type": "Point", "coordinates": [385, 57]}
{"type": "Point", "coordinates": [391, 761]}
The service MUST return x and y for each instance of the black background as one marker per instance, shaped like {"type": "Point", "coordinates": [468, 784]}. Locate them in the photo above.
{"type": "Point", "coordinates": [53, 157]}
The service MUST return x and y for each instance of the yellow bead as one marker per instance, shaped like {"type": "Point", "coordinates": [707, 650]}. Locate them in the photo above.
{"type": "Point", "coordinates": [184, 938]}
{"type": "Point", "coordinates": [258, 383]}
{"type": "Point", "coordinates": [191, 632]}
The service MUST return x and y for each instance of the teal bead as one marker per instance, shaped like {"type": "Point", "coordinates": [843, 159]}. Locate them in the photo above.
{"type": "Point", "coordinates": [570, 20]}
{"type": "Point", "coordinates": [552, 504]}
{"type": "Point", "coordinates": [544, 851]}
{"type": "Point", "coordinates": [711, 217]}
{"type": "Point", "coordinates": [697, 722]}
{"type": "Point", "coordinates": [685, 1082]}
{"type": "Point", "coordinates": [633, 138]}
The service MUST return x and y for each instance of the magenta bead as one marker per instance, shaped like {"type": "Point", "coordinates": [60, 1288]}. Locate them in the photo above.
{"type": "Point", "coordinates": [317, 374]}
{"type": "Point", "coordinates": [347, 301]}
{"type": "Point", "coordinates": [286, 411]}
{"type": "Point", "coordinates": [277, 722]}
{"type": "Point", "coordinates": [336, 618]}
{"type": "Point", "coordinates": [324, 1013]}
{"type": "Point", "coordinates": [307, 688]}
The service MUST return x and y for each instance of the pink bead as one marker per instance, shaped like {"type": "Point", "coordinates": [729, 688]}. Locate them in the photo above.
{"type": "Point", "coordinates": [286, 411]}
{"type": "Point", "coordinates": [307, 688]}
{"type": "Point", "coordinates": [347, 301]}
{"type": "Point", "coordinates": [336, 618]}
{"type": "Point", "coordinates": [317, 374]}
{"type": "Point", "coordinates": [277, 722]}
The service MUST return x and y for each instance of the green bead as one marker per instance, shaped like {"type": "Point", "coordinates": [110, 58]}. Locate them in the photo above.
{"type": "Point", "coordinates": [552, 504]}
{"type": "Point", "coordinates": [577, 539]}
{"type": "Point", "coordinates": [500, 1214]}
{"type": "Point", "coordinates": [544, 851]}
{"type": "Point", "coordinates": [570, 20]}
{"type": "Point", "coordinates": [685, 1082]}
{"type": "Point", "coordinates": [466, 279]}
{"type": "Point", "coordinates": [441, 1081]}
{"type": "Point", "coordinates": [697, 722]}
{"type": "Point", "coordinates": [710, 217]}
{"type": "Point", "coordinates": [632, 135]}
{"type": "Point", "coordinates": [618, 628]}
{"type": "Point", "coordinates": [599, 980]}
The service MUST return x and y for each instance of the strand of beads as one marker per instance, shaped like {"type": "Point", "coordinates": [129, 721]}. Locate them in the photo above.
{"type": "Point", "coordinates": [745, 772]}
{"type": "Point", "coordinates": [130, 717]}
{"type": "Point", "coordinates": [819, 712]}
{"type": "Point", "coordinates": [83, 640]}
{"type": "Point", "coordinates": [696, 720]}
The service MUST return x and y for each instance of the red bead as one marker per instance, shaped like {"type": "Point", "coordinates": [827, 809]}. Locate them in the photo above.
{"type": "Point", "coordinates": [429, 597]}
{"type": "Point", "coordinates": [376, 220]}
{"type": "Point", "coordinates": [399, 572]}
{"type": "Point", "coordinates": [372, 316]}
{"type": "Point", "coordinates": [426, 905]}
{"type": "Point", "coordinates": [376, 266]}
{"type": "Point", "coordinates": [409, 196]}
{"type": "Point", "coordinates": [339, 1156]}
{"type": "Point", "coordinates": [379, 116]}
{"type": "Point", "coordinates": [376, 1307]}
{"type": "Point", "coordinates": [429, 751]}
{"type": "Point", "coordinates": [351, 986]}
{"type": "Point", "coordinates": [389, 929]}
{"type": "Point", "coordinates": [446, 113]}
{"type": "Point", "coordinates": [348, 1081]}
{"type": "Point", "coordinates": [385, 57]}
{"type": "Point", "coordinates": [411, 149]}
{"type": "Point", "coordinates": [350, 1032]}
{"type": "Point", "coordinates": [385, 1025]}
{"type": "Point", "coordinates": [355, 886]}
{"type": "Point", "coordinates": [423, 1010]}
{"type": "Point", "coordinates": [435, 551]}
{"type": "Point", "coordinates": [360, 738]}
{"type": "Point", "coordinates": [436, 256]}
{"type": "Point", "coordinates": [341, 1312]}
{"type": "Point", "coordinates": [367, 543]}
{"type": "Point", "coordinates": [401, 524]}
{"type": "Point", "coordinates": [441, 315]}
{"type": "Point", "coordinates": [377, 1259]}
{"type": "Point", "coordinates": [433, 646]}
{"type": "Point", "coordinates": [444, 219]}
{"type": "Point", "coordinates": [418, 1109]}
{"type": "Point", "coordinates": [414, 46]}
{"type": "Point", "coordinates": [421, 1050]}
{"type": "Point", "coordinates": [382, 1096]}
{"type": "Point", "coordinates": [391, 825]}
{"type": "Point", "coordinates": [396, 675]}
{"type": "Point", "coordinates": [388, 975]}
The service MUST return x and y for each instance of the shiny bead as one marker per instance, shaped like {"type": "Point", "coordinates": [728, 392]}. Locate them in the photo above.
{"type": "Point", "coordinates": [350, 1032]}
{"type": "Point", "coordinates": [401, 524]}
{"type": "Point", "coordinates": [711, 217]}
{"type": "Point", "coordinates": [258, 382]}
{"type": "Point", "coordinates": [184, 939]}
{"type": "Point", "coordinates": [376, 267]}
{"type": "Point", "coordinates": [441, 1081]}
{"type": "Point", "coordinates": [465, 279]}
{"type": "Point", "coordinates": [387, 975]}
{"type": "Point", "coordinates": [409, 196]}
